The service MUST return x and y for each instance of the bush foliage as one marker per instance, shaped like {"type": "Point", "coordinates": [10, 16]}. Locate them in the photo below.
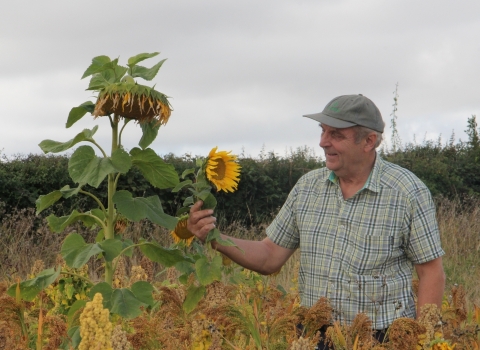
{"type": "Point", "coordinates": [450, 170]}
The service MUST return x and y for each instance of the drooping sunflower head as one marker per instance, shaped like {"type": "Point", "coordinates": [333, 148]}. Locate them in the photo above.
{"type": "Point", "coordinates": [181, 232]}
{"type": "Point", "coordinates": [222, 170]}
{"type": "Point", "coordinates": [134, 101]}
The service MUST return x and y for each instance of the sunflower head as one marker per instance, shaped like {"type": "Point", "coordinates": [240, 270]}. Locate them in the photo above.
{"type": "Point", "coordinates": [181, 233]}
{"type": "Point", "coordinates": [222, 170]}
{"type": "Point", "coordinates": [134, 101]}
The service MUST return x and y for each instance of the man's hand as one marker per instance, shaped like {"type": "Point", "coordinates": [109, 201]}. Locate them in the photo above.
{"type": "Point", "coordinates": [200, 222]}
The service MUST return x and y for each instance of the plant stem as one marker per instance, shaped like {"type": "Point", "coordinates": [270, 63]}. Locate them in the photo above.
{"type": "Point", "coordinates": [99, 147]}
{"type": "Point", "coordinates": [95, 198]}
{"type": "Point", "coordinates": [121, 131]}
{"type": "Point", "coordinates": [76, 275]}
{"type": "Point", "coordinates": [109, 232]}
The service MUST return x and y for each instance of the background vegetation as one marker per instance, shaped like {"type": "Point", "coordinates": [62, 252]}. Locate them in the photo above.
{"type": "Point", "coordinates": [450, 170]}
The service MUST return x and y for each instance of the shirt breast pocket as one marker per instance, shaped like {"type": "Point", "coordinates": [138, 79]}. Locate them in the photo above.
{"type": "Point", "coordinates": [370, 254]}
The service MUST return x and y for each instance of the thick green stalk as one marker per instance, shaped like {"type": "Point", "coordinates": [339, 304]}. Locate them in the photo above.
{"type": "Point", "coordinates": [109, 233]}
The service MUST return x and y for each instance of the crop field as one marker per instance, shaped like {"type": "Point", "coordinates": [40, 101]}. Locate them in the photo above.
{"type": "Point", "coordinates": [242, 310]}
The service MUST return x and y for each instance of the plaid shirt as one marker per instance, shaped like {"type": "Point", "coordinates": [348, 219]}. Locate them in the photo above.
{"type": "Point", "coordinates": [360, 252]}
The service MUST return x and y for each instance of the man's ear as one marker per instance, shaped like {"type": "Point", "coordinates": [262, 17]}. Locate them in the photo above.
{"type": "Point", "coordinates": [370, 141]}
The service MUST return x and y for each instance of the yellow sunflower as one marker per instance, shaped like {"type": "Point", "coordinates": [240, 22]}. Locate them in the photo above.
{"type": "Point", "coordinates": [181, 232]}
{"type": "Point", "coordinates": [222, 170]}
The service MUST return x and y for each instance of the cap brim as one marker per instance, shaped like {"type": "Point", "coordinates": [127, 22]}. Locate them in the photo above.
{"type": "Point", "coordinates": [333, 122]}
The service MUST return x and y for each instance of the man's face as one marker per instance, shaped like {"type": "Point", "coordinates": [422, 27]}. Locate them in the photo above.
{"type": "Point", "coordinates": [342, 154]}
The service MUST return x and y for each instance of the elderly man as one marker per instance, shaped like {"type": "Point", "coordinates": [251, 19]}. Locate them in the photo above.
{"type": "Point", "coordinates": [361, 224]}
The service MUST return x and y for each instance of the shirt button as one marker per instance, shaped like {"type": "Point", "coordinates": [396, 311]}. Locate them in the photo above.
{"type": "Point", "coordinates": [342, 227]}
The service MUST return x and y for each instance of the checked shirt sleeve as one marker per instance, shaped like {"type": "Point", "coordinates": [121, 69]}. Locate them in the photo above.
{"type": "Point", "coordinates": [283, 230]}
{"type": "Point", "coordinates": [424, 241]}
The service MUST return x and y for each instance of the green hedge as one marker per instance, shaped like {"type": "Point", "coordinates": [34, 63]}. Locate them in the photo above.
{"type": "Point", "coordinates": [449, 170]}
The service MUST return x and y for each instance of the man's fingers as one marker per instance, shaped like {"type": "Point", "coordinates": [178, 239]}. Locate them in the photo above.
{"type": "Point", "coordinates": [196, 207]}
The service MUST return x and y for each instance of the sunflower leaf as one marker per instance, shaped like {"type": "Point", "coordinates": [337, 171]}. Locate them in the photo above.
{"type": "Point", "coordinates": [59, 223]}
{"type": "Point", "coordinates": [125, 304]}
{"type": "Point", "coordinates": [143, 292]}
{"type": "Point", "coordinates": [136, 209]}
{"type": "Point", "coordinates": [105, 290]}
{"type": "Point", "coordinates": [85, 167]}
{"type": "Point", "coordinates": [76, 252]}
{"type": "Point", "coordinates": [97, 64]}
{"type": "Point", "coordinates": [111, 247]}
{"type": "Point", "coordinates": [187, 172]}
{"type": "Point", "coordinates": [77, 305]}
{"type": "Point", "coordinates": [182, 185]}
{"type": "Point", "coordinates": [188, 201]}
{"type": "Point", "coordinates": [207, 272]}
{"type": "Point", "coordinates": [29, 289]}
{"type": "Point", "coordinates": [209, 202]}
{"type": "Point", "coordinates": [68, 192]}
{"type": "Point", "coordinates": [77, 113]}
{"type": "Point", "coordinates": [121, 161]}
{"type": "Point", "coordinates": [44, 202]}
{"type": "Point", "coordinates": [155, 170]}
{"type": "Point", "coordinates": [165, 256]}
{"type": "Point", "coordinates": [193, 297]}
{"type": "Point", "coordinates": [214, 234]}
{"type": "Point", "coordinates": [150, 132]}
{"type": "Point", "coordinates": [140, 57]}
{"type": "Point", "coordinates": [146, 73]}
{"type": "Point", "coordinates": [56, 147]}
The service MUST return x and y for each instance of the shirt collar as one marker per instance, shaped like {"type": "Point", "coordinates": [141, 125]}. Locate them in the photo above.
{"type": "Point", "coordinates": [373, 181]}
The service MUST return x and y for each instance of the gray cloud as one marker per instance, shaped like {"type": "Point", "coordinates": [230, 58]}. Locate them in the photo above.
{"type": "Point", "coordinates": [241, 74]}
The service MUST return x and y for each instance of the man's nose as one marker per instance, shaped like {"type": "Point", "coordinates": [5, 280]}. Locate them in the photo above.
{"type": "Point", "coordinates": [324, 141]}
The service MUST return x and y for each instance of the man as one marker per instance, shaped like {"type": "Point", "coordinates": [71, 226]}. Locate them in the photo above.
{"type": "Point", "coordinates": [362, 224]}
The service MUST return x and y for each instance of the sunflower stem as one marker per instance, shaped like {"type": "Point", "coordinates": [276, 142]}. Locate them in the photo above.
{"type": "Point", "coordinates": [109, 232]}
{"type": "Point", "coordinates": [95, 198]}
{"type": "Point", "coordinates": [121, 131]}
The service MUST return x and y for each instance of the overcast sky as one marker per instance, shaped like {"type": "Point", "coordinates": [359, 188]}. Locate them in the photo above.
{"type": "Point", "coordinates": [242, 73]}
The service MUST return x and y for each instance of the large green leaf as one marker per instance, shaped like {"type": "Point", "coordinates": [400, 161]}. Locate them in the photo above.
{"type": "Point", "coordinates": [59, 223]}
{"type": "Point", "coordinates": [111, 247]}
{"type": "Point", "coordinates": [105, 290]}
{"type": "Point", "coordinates": [96, 66]}
{"type": "Point", "coordinates": [209, 201]}
{"type": "Point", "coordinates": [85, 167]}
{"type": "Point", "coordinates": [74, 338]}
{"type": "Point", "coordinates": [146, 73]}
{"type": "Point", "coordinates": [56, 147]}
{"type": "Point", "coordinates": [193, 297]}
{"type": "Point", "coordinates": [155, 170]}
{"type": "Point", "coordinates": [121, 161]}
{"type": "Point", "coordinates": [215, 235]}
{"type": "Point", "coordinates": [140, 57]}
{"type": "Point", "coordinates": [77, 305]}
{"type": "Point", "coordinates": [77, 113]}
{"type": "Point", "coordinates": [29, 289]}
{"type": "Point", "coordinates": [76, 252]}
{"type": "Point", "coordinates": [150, 132]}
{"type": "Point", "coordinates": [128, 243]}
{"type": "Point", "coordinates": [44, 202]}
{"type": "Point", "coordinates": [136, 209]}
{"type": "Point", "coordinates": [143, 292]}
{"type": "Point", "coordinates": [68, 192]}
{"type": "Point", "coordinates": [165, 256]}
{"type": "Point", "coordinates": [99, 213]}
{"type": "Point", "coordinates": [108, 76]}
{"type": "Point", "coordinates": [125, 304]}
{"type": "Point", "coordinates": [207, 272]}
{"type": "Point", "coordinates": [181, 185]}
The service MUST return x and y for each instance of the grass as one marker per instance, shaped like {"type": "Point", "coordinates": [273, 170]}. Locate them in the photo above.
{"type": "Point", "coordinates": [25, 238]}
